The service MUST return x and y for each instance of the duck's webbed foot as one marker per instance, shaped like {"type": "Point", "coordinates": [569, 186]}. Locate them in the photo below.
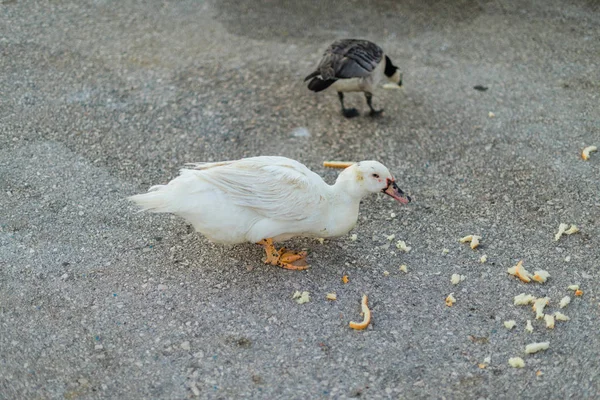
{"type": "Point", "coordinates": [282, 258]}
{"type": "Point", "coordinates": [347, 112]}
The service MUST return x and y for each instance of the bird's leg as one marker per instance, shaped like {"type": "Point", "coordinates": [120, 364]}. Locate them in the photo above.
{"type": "Point", "coordinates": [374, 112]}
{"type": "Point", "coordinates": [348, 112]}
{"type": "Point", "coordinates": [281, 257]}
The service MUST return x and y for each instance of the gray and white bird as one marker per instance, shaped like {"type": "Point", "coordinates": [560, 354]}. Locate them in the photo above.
{"type": "Point", "coordinates": [353, 65]}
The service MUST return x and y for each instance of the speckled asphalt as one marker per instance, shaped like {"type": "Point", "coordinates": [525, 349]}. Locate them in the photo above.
{"type": "Point", "coordinates": [100, 100]}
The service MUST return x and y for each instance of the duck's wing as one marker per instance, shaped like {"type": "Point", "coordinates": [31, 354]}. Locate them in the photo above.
{"type": "Point", "coordinates": [275, 187]}
{"type": "Point", "coordinates": [350, 58]}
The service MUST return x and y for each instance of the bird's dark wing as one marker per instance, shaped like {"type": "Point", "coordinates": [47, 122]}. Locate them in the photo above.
{"type": "Point", "coordinates": [350, 58]}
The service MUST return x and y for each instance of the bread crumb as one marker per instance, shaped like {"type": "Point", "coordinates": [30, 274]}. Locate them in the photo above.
{"type": "Point", "coordinates": [560, 316]}
{"type": "Point", "coordinates": [366, 313]}
{"type": "Point", "coordinates": [386, 273]}
{"type": "Point", "coordinates": [321, 240]}
{"type": "Point", "coordinates": [491, 115]}
{"type": "Point", "coordinates": [331, 296]}
{"type": "Point", "coordinates": [483, 259]}
{"type": "Point", "coordinates": [540, 276]}
{"type": "Point", "coordinates": [535, 347]}
{"type": "Point", "coordinates": [520, 272]}
{"type": "Point", "coordinates": [567, 258]}
{"type": "Point", "coordinates": [450, 300]}
{"type": "Point", "coordinates": [573, 229]}
{"type": "Point", "coordinates": [445, 251]}
{"type": "Point", "coordinates": [402, 246]}
{"type": "Point", "coordinates": [549, 321]}
{"type": "Point", "coordinates": [564, 301]}
{"type": "Point", "coordinates": [404, 268]}
{"type": "Point", "coordinates": [301, 298]}
{"type": "Point", "coordinates": [585, 153]}
{"type": "Point", "coordinates": [529, 327]}
{"type": "Point", "coordinates": [456, 279]}
{"type": "Point", "coordinates": [390, 237]}
{"type": "Point", "coordinates": [538, 307]}
{"type": "Point", "coordinates": [516, 362]}
{"type": "Point", "coordinates": [574, 287]}
{"type": "Point", "coordinates": [539, 373]}
{"type": "Point", "coordinates": [579, 292]}
{"type": "Point", "coordinates": [353, 237]}
{"type": "Point", "coordinates": [510, 324]}
{"type": "Point", "coordinates": [473, 239]}
{"type": "Point", "coordinates": [561, 229]}
{"type": "Point", "coordinates": [523, 299]}
{"type": "Point", "coordinates": [345, 279]}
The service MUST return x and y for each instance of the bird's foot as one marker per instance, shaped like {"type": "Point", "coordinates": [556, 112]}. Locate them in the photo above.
{"type": "Point", "coordinates": [283, 258]}
{"type": "Point", "coordinates": [376, 113]}
{"type": "Point", "coordinates": [350, 112]}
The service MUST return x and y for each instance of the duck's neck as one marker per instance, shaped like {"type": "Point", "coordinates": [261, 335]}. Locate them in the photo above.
{"type": "Point", "coordinates": [344, 201]}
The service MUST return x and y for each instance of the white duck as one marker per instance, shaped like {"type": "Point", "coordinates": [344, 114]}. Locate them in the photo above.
{"type": "Point", "coordinates": [266, 199]}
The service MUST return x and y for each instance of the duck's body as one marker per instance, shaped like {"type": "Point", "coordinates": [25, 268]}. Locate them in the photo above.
{"type": "Point", "coordinates": [261, 198]}
{"type": "Point", "coordinates": [353, 65]}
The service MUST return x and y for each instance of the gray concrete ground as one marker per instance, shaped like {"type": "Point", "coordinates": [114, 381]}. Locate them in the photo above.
{"type": "Point", "coordinates": [99, 100]}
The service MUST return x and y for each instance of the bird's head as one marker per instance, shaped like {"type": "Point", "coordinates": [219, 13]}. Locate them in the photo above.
{"type": "Point", "coordinates": [368, 177]}
{"type": "Point", "coordinates": [392, 72]}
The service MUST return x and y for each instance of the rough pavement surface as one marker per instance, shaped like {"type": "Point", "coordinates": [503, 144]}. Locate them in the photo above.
{"type": "Point", "coordinates": [99, 100]}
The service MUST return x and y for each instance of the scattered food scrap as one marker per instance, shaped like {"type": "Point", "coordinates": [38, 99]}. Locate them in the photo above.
{"type": "Point", "coordinates": [366, 313]}
{"type": "Point", "coordinates": [456, 279]}
{"type": "Point", "coordinates": [353, 237]}
{"type": "Point", "coordinates": [564, 229]}
{"type": "Point", "coordinates": [331, 296]}
{"type": "Point", "coordinates": [539, 372]}
{"type": "Point", "coordinates": [538, 307]}
{"type": "Point", "coordinates": [301, 298]}
{"type": "Point", "coordinates": [473, 239]}
{"type": "Point", "coordinates": [402, 246]}
{"type": "Point", "coordinates": [516, 362]}
{"type": "Point", "coordinates": [483, 259]}
{"type": "Point", "coordinates": [321, 240]}
{"type": "Point", "coordinates": [386, 273]}
{"type": "Point", "coordinates": [390, 237]}
{"type": "Point", "coordinates": [529, 327]}
{"type": "Point", "coordinates": [510, 324]}
{"type": "Point", "coordinates": [345, 279]}
{"type": "Point", "coordinates": [337, 164]}
{"type": "Point", "coordinates": [535, 347]}
{"type": "Point", "coordinates": [573, 287]}
{"type": "Point", "coordinates": [491, 115]}
{"type": "Point", "coordinates": [549, 321]}
{"type": "Point", "coordinates": [404, 268]}
{"type": "Point", "coordinates": [523, 299]}
{"type": "Point", "coordinates": [520, 272]}
{"type": "Point", "coordinates": [579, 292]}
{"type": "Point", "coordinates": [560, 316]}
{"type": "Point", "coordinates": [445, 251]}
{"type": "Point", "coordinates": [564, 301]}
{"type": "Point", "coordinates": [585, 153]}
{"type": "Point", "coordinates": [540, 276]}
{"type": "Point", "coordinates": [450, 300]}
{"type": "Point", "coordinates": [573, 229]}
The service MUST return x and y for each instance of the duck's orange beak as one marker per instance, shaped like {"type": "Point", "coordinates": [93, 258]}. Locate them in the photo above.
{"type": "Point", "coordinates": [396, 193]}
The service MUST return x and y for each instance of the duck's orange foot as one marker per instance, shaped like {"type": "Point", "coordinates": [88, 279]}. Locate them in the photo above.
{"type": "Point", "coordinates": [282, 258]}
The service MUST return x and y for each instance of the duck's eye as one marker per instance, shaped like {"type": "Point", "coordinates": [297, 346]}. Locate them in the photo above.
{"type": "Point", "coordinates": [376, 176]}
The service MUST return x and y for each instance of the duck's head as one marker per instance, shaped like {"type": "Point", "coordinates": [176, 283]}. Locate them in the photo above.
{"type": "Point", "coordinates": [371, 177]}
{"type": "Point", "coordinates": [392, 72]}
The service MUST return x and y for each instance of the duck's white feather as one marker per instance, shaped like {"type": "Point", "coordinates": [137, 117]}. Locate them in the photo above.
{"type": "Point", "coordinates": [264, 197]}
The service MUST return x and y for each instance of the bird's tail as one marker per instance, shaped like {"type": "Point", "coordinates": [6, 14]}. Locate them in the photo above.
{"type": "Point", "coordinates": [317, 84]}
{"type": "Point", "coordinates": [312, 75]}
{"type": "Point", "coordinates": [158, 199]}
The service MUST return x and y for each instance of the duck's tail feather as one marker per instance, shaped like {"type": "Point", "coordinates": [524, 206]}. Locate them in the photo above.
{"type": "Point", "coordinates": [317, 84]}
